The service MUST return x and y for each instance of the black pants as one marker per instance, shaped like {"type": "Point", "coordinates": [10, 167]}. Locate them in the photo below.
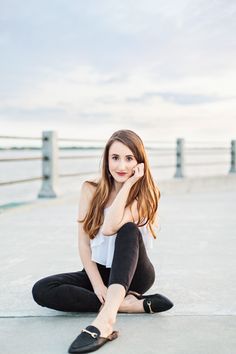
{"type": "Point", "coordinates": [130, 267]}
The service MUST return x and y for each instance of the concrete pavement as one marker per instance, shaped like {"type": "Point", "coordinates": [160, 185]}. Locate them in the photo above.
{"type": "Point", "coordinates": [194, 257]}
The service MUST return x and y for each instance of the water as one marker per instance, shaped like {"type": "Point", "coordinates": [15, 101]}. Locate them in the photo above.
{"type": "Point", "coordinates": [162, 165]}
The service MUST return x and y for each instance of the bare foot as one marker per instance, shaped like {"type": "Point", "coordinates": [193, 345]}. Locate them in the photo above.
{"type": "Point", "coordinates": [104, 323]}
{"type": "Point", "coordinates": [104, 328]}
{"type": "Point", "coordinates": [131, 304]}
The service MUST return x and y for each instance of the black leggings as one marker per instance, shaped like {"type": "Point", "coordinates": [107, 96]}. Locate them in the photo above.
{"type": "Point", "coordinates": [130, 267]}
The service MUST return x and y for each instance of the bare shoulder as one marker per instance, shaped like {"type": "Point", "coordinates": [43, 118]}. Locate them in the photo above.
{"type": "Point", "coordinates": [88, 189]}
{"type": "Point", "coordinates": [86, 194]}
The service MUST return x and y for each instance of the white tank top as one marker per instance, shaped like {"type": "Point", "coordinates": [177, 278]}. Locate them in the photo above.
{"type": "Point", "coordinates": [103, 246]}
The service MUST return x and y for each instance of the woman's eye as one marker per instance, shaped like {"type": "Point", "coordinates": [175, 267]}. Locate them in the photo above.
{"type": "Point", "coordinates": [116, 158]}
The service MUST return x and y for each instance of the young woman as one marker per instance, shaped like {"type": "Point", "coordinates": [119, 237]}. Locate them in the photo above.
{"type": "Point", "coordinates": [117, 218]}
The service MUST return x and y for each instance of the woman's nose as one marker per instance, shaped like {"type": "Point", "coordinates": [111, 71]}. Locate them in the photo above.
{"type": "Point", "coordinates": [122, 165]}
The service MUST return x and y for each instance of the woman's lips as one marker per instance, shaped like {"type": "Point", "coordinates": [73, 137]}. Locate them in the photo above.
{"type": "Point", "coordinates": [121, 173]}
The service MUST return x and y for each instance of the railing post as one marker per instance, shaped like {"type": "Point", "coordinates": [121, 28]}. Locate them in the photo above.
{"type": "Point", "coordinates": [233, 157]}
{"type": "Point", "coordinates": [49, 165]}
{"type": "Point", "coordinates": [179, 173]}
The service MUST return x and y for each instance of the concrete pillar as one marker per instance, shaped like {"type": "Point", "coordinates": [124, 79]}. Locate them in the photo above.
{"type": "Point", "coordinates": [233, 157]}
{"type": "Point", "coordinates": [49, 165]}
{"type": "Point", "coordinates": [179, 173]}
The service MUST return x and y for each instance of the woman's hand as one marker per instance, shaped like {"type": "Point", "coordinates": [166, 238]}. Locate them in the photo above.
{"type": "Point", "coordinates": [101, 292]}
{"type": "Point", "coordinates": [138, 172]}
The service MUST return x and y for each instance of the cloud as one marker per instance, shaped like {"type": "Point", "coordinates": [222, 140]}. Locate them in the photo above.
{"type": "Point", "coordinates": [178, 98]}
{"type": "Point", "coordinates": [83, 93]}
{"type": "Point", "coordinates": [146, 64]}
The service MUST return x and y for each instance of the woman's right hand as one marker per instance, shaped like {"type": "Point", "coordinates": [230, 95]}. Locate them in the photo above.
{"type": "Point", "coordinates": [101, 292]}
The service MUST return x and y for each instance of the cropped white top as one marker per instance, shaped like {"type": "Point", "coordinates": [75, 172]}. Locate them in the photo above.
{"type": "Point", "coordinates": [103, 246]}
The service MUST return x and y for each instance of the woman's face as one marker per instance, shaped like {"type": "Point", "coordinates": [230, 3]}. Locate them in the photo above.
{"type": "Point", "coordinates": [121, 161]}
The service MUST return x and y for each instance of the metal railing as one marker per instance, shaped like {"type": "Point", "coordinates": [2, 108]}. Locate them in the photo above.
{"type": "Point", "coordinates": [19, 159]}
{"type": "Point", "coordinates": [50, 157]}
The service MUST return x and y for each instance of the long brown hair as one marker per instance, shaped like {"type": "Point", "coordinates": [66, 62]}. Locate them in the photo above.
{"type": "Point", "coordinates": [144, 190]}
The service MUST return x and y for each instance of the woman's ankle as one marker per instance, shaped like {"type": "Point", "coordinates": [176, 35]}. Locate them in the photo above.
{"type": "Point", "coordinates": [107, 316]}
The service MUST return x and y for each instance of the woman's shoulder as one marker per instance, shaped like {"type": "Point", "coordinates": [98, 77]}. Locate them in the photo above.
{"type": "Point", "coordinates": [87, 191]}
{"type": "Point", "coordinates": [90, 185]}
{"type": "Point", "coordinates": [86, 194]}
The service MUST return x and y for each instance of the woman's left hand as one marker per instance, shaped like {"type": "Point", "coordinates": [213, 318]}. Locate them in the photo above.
{"type": "Point", "coordinates": [138, 172]}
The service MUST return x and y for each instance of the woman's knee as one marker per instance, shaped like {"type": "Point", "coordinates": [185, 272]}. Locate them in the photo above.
{"type": "Point", "coordinates": [129, 228]}
{"type": "Point", "coordinates": [39, 291]}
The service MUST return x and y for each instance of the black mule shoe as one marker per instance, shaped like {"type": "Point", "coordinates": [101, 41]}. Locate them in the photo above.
{"type": "Point", "coordinates": [90, 340]}
{"type": "Point", "coordinates": [154, 303]}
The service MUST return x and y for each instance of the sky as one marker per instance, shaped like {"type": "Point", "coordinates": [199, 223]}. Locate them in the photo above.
{"type": "Point", "coordinates": [163, 68]}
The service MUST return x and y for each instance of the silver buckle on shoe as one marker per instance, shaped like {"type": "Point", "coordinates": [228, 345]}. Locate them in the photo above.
{"type": "Point", "coordinates": [149, 305]}
{"type": "Point", "coordinates": [93, 334]}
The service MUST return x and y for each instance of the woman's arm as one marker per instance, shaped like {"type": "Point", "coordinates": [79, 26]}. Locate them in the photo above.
{"type": "Point", "coordinates": [84, 241]}
{"type": "Point", "coordinates": [117, 214]}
